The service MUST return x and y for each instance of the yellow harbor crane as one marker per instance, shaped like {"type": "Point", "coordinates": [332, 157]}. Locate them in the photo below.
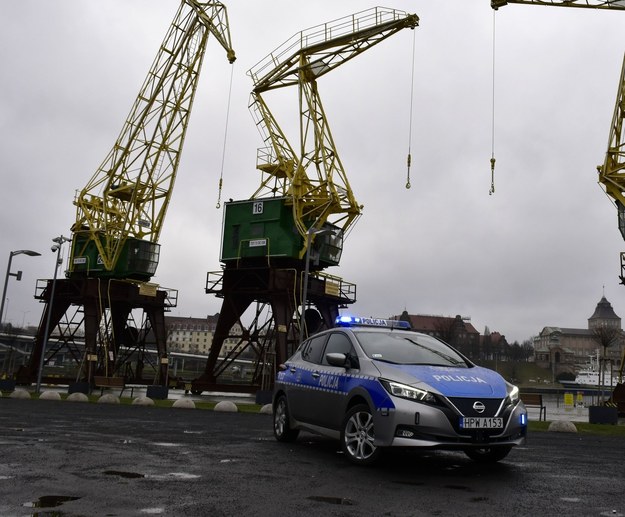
{"type": "Point", "coordinates": [119, 217]}
{"type": "Point", "coordinates": [295, 221]}
{"type": "Point", "coordinates": [612, 172]}
{"type": "Point", "coordinates": [120, 212]}
{"type": "Point", "coordinates": [310, 176]}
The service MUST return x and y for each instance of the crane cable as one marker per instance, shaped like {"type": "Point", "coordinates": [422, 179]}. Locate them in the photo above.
{"type": "Point", "coordinates": [492, 156]}
{"type": "Point", "coordinates": [223, 152]}
{"type": "Point", "coordinates": [409, 158]}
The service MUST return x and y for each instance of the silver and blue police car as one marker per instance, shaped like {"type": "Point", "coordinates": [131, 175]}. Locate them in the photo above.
{"type": "Point", "coordinates": [372, 384]}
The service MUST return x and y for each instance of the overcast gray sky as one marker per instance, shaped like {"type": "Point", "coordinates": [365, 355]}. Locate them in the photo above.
{"type": "Point", "coordinates": [536, 253]}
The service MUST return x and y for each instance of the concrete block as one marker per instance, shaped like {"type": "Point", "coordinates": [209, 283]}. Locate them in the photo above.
{"type": "Point", "coordinates": [49, 395]}
{"type": "Point", "coordinates": [77, 396]}
{"type": "Point", "coordinates": [226, 406]}
{"type": "Point", "coordinates": [20, 393]}
{"type": "Point", "coordinates": [562, 426]}
{"type": "Point", "coordinates": [184, 404]}
{"type": "Point", "coordinates": [143, 401]}
{"type": "Point", "coordinates": [108, 398]}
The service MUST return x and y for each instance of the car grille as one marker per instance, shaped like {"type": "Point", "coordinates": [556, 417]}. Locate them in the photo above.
{"type": "Point", "coordinates": [465, 406]}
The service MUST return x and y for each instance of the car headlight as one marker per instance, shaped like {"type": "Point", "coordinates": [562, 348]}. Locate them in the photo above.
{"type": "Point", "coordinates": [513, 393]}
{"type": "Point", "coordinates": [407, 392]}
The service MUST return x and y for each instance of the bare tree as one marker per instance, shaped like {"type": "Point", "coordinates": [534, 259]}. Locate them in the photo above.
{"type": "Point", "coordinates": [606, 337]}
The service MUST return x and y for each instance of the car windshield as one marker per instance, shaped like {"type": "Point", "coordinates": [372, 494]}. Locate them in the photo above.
{"type": "Point", "coordinates": [409, 348]}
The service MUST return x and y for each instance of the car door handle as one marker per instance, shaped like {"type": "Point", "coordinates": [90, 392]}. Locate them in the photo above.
{"type": "Point", "coordinates": [316, 375]}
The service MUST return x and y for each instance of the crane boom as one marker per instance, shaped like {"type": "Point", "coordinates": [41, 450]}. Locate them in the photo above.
{"type": "Point", "coordinates": [612, 172]}
{"type": "Point", "coordinates": [313, 177]}
{"type": "Point", "coordinates": [121, 210]}
{"type": "Point", "coordinates": [591, 4]}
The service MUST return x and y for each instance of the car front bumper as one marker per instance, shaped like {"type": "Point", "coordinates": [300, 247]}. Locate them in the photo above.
{"type": "Point", "coordinates": [412, 424]}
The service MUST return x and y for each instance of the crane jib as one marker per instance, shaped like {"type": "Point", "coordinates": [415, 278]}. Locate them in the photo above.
{"type": "Point", "coordinates": [120, 213]}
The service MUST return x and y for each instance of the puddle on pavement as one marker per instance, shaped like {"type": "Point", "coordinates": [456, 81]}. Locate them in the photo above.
{"type": "Point", "coordinates": [174, 475]}
{"type": "Point", "coordinates": [124, 474]}
{"type": "Point", "coordinates": [331, 500]}
{"type": "Point", "coordinates": [183, 475]}
{"type": "Point", "coordinates": [50, 501]}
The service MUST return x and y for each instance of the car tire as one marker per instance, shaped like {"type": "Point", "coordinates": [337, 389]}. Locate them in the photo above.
{"type": "Point", "coordinates": [488, 454]}
{"type": "Point", "coordinates": [281, 426]}
{"type": "Point", "coordinates": [358, 435]}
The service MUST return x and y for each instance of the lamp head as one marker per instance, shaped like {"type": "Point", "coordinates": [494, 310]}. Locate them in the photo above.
{"type": "Point", "coordinates": [30, 253]}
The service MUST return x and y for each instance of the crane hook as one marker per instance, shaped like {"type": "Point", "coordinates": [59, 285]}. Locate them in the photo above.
{"type": "Point", "coordinates": [219, 195]}
{"type": "Point", "coordinates": [408, 161]}
{"type": "Point", "coordinates": [492, 176]}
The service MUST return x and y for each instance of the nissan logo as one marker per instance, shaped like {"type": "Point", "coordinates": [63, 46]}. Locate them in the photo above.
{"type": "Point", "coordinates": [479, 406]}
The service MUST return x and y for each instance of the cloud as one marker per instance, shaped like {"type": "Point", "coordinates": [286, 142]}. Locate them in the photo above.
{"type": "Point", "coordinates": [538, 252]}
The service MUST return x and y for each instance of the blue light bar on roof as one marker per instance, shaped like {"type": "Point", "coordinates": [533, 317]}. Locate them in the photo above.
{"type": "Point", "coordinates": [354, 321]}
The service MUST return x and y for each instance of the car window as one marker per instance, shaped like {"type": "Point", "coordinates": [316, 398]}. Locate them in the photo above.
{"type": "Point", "coordinates": [338, 343]}
{"type": "Point", "coordinates": [313, 350]}
{"type": "Point", "coordinates": [409, 348]}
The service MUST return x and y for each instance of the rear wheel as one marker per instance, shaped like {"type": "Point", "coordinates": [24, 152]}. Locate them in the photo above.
{"type": "Point", "coordinates": [281, 428]}
{"type": "Point", "coordinates": [358, 435]}
{"type": "Point", "coordinates": [488, 454]}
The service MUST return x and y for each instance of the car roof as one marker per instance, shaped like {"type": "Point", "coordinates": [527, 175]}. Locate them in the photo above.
{"type": "Point", "coordinates": [380, 330]}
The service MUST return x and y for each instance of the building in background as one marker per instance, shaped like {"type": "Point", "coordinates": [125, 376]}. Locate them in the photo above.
{"type": "Point", "coordinates": [458, 331]}
{"type": "Point", "coordinates": [195, 335]}
{"type": "Point", "coordinates": [567, 349]}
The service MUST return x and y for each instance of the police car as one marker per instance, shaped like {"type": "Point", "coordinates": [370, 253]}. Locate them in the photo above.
{"type": "Point", "coordinates": [373, 384]}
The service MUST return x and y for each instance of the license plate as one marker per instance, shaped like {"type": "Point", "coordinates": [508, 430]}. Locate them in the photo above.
{"type": "Point", "coordinates": [468, 422]}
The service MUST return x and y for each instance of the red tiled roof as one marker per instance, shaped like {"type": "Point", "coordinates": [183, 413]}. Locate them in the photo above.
{"type": "Point", "coordinates": [427, 323]}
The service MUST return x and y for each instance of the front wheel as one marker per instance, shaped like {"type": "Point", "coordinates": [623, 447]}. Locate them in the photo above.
{"type": "Point", "coordinates": [281, 428]}
{"type": "Point", "coordinates": [488, 454]}
{"type": "Point", "coordinates": [358, 436]}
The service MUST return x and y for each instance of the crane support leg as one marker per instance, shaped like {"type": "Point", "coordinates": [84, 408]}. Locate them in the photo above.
{"type": "Point", "coordinates": [272, 342]}
{"type": "Point", "coordinates": [156, 318]}
{"type": "Point", "coordinates": [231, 310]}
{"type": "Point", "coordinates": [100, 337]}
{"type": "Point", "coordinates": [27, 374]}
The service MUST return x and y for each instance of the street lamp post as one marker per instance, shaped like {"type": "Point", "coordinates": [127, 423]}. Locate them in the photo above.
{"type": "Point", "coordinates": [17, 275]}
{"type": "Point", "coordinates": [56, 247]}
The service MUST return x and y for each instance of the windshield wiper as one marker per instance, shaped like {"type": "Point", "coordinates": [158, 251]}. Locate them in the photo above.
{"type": "Point", "coordinates": [385, 360]}
{"type": "Point", "coordinates": [437, 352]}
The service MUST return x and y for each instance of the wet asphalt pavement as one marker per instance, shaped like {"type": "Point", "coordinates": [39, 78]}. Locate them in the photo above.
{"type": "Point", "coordinates": [68, 459]}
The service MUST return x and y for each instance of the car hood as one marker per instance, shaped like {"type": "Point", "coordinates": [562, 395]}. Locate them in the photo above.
{"type": "Point", "coordinates": [448, 381]}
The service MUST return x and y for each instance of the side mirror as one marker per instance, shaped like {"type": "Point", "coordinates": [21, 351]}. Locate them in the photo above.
{"type": "Point", "coordinates": [336, 359]}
